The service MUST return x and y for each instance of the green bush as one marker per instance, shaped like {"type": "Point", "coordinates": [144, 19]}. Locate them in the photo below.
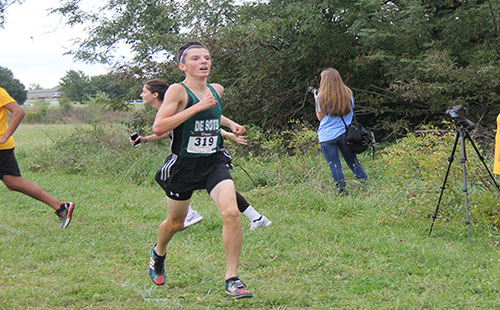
{"type": "Point", "coordinates": [413, 171]}
{"type": "Point", "coordinates": [40, 114]}
{"type": "Point", "coordinates": [141, 120]}
{"type": "Point", "coordinates": [299, 140]}
{"type": "Point", "coordinates": [65, 105]}
{"type": "Point", "coordinates": [99, 150]}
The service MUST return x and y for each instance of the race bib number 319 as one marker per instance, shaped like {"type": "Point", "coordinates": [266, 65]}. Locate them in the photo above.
{"type": "Point", "coordinates": [202, 144]}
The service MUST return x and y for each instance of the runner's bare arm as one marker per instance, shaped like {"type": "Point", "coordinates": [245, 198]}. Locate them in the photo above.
{"type": "Point", "coordinates": [149, 138]}
{"type": "Point", "coordinates": [236, 128]}
{"type": "Point", "coordinates": [218, 88]}
{"type": "Point", "coordinates": [17, 115]}
{"type": "Point", "coordinates": [152, 138]}
{"type": "Point", "coordinates": [238, 139]}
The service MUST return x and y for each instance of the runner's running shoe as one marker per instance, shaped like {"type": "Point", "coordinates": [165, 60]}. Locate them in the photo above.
{"type": "Point", "coordinates": [65, 212]}
{"type": "Point", "coordinates": [156, 267]}
{"type": "Point", "coordinates": [192, 218]}
{"type": "Point", "coordinates": [237, 289]}
{"type": "Point", "coordinates": [262, 221]}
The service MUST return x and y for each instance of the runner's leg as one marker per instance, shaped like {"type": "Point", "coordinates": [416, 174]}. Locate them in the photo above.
{"type": "Point", "coordinates": [177, 210]}
{"type": "Point", "coordinates": [223, 194]}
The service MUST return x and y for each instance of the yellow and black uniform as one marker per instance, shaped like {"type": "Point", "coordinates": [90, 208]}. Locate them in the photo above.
{"type": "Point", "coordinates": [197, 160]}
{"type": "Point", "coordinates": [8, 162]}
{"type": "Point", "coordinates": [5, 99]}
{"type": "Point", "coordinates": [496, 165]}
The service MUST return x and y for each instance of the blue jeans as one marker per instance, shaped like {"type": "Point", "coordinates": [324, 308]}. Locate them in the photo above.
{"type": "Point", "coordinates": [331, 149]}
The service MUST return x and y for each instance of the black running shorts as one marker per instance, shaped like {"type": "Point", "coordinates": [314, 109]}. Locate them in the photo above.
{"type": "Point", "coordinates": [8, 163]}
{"type": "Point", "coordinates": [179, 176]}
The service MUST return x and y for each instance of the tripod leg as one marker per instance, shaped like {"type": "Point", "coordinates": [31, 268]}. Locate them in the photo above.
{"type": "Point", "coordinates": [450, 159]}
{"type": "Point", "coordinates": [463, 160]}
{"type": "Point", "coordinates": [482, 160]}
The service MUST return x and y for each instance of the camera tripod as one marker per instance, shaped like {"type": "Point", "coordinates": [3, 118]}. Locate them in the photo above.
{"type": "Point", "coordinates": [462, 133]}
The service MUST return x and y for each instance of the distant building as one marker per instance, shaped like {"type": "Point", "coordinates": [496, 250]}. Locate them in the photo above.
{"type": "Point", "coordinates": [44, 93]}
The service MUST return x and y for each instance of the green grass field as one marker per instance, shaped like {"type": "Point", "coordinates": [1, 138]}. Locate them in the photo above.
{"type": "Point", "coordinates": [365, 251]}
{"type": "Point", "coordinates": [36, 135]}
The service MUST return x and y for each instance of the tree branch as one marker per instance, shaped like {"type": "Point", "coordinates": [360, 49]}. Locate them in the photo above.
{"type": "Point", "coordinates": [267, 45]}
{"type": "Point", "coordinates": [371, 92]}
{"type": "Point", "coordinates": [495, 24]}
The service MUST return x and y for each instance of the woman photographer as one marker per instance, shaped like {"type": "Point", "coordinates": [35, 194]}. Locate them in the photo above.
{"type": "Point", "coordinates": [334, 105]}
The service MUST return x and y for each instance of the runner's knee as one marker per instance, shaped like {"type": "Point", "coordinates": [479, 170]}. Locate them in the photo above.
{"type": "Point", "coordinates": [13, 184]}
{"type": "Point", "coordinates": [230, 212]}
{"type": "Point", "coordinates": [178, 225]}
{"type": "Point", "coordinates": [173, 224]}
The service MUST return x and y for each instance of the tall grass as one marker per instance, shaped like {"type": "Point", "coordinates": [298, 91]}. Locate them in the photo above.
{"type": "Point", "coordinates": [411, 171]}
{"type": "Point", "coordinates": [370, 250]}
{"type": "Point", "coordinates": [68, 113]}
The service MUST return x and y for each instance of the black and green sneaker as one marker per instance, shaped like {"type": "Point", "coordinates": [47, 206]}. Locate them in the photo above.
{"type": "Point", "coordinates": [156, 267]}
{"type": "Point", "coordinates": [65, 212]}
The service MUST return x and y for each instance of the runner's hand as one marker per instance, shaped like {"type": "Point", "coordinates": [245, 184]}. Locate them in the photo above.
{"type": "Point", "coordinates": [237, 139]}
{"type": "Point", "coordinates": [238, 130]}
{"type": "Point", "coordinates": [207, 102]}
{"type": "Point", "coordinates": [141, 138]}
{"type": "Point", "coordinates": [3, 139]}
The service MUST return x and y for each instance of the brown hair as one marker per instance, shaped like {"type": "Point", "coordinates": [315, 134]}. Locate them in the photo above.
{"type": "Point", "coordinates": [334, 97]}
{"type": "Point", "coordinates": [186, 46]}
{"type": "Point", "coordinates": [157, 86]}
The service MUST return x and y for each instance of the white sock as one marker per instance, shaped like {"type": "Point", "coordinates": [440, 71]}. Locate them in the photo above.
{"type": "Point", "coordinates": [252, 214]}
{"type": "Point", "coordinates": [190, 209]}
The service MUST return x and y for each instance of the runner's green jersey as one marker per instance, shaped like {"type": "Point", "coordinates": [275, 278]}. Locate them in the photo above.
{"type": "Point", "coordinates": [199, 135]}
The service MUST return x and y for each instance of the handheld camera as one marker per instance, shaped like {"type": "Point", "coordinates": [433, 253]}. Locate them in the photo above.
{"type": "Point", "coordinates": [312, 90]}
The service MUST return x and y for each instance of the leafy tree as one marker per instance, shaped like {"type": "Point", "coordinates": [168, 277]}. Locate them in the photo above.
{"type": "Point", "coordinates": [110, 84]}
{"type": "Point", "coordinates": [112, 90]}
{"type": "Point", "coordinates": [114, 87]}
{"type": "Point", "coordinates": [4, 4]}
{"type": "Point", "coordinates": [75, 85]}
{"type": "Point", "coordinates": [286, 45]}
{"type": "Point", "coordinates": [433, 54]}
{"type": "Point", "coordinates": [406, 60]}
{"type": "Point", "coordinates": [13, 86]}
{"type": "Point", "coordinates": [147, 26]}
{"type": "Point", "coordinates": [35, 86]}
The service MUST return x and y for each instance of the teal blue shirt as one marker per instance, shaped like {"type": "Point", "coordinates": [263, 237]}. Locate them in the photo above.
{"type": "Point", "coordinates": [332, 127]}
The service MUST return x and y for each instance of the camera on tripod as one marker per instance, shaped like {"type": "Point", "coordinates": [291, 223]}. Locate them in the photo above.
{"type": "Point", "coordinates": [458, 113]}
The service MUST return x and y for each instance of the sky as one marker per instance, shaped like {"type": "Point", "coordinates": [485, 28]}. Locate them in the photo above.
{"type": "Point", "coordinates": [33, 44]}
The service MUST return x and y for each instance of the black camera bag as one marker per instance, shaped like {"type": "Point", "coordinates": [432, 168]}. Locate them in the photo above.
{"type": "Point", "coordinates": [359, 138]}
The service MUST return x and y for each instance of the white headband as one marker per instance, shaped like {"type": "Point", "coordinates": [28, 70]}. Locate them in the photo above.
{"type": "Point", "coordinates": [187, 49]}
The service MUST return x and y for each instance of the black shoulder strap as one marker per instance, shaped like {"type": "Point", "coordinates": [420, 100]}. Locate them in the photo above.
{"type": "Point", "coordinates": [353, 114]}
{"type": "Point", "coordinates": [353, 117]}
{"type": "Point", "coordinates": [344, 122]}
